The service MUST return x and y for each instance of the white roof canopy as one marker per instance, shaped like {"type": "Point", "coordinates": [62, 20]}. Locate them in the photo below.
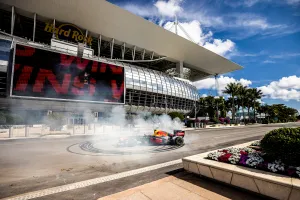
{"type": "Point", "coordinates": [102, 17]}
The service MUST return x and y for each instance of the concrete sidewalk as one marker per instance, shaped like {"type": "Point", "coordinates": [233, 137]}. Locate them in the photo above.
{"type": "Point", "coordinates": [183, 186]}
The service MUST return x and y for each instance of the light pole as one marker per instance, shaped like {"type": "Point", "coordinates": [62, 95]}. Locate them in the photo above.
{"type": "Point", "coordinates": [217, 98]}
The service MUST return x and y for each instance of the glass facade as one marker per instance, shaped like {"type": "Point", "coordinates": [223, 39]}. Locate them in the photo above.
{"type": "Point", "coordinates": [154, 91]}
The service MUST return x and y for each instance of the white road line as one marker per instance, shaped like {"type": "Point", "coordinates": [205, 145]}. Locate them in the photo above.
{"type": "Point", "coordinates": [82, 184]}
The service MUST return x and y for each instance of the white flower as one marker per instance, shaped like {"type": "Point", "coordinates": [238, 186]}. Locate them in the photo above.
{"type": "Point", "coordinates": [254, 159]}
{"type": "Point", "coordinates": [234, 158]}
{"type": "Point", "coordinates": [256, 143]}
{"type": "Point", "coordinates": [298, 171]}
{"type": "Point", "coordinates": [277, 165]}
{"type": "Point", "coordinates": [215, 155]}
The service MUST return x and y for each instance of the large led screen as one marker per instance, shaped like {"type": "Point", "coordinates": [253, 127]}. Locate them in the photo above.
{"type": "Point", "coordinates": [45, 74]}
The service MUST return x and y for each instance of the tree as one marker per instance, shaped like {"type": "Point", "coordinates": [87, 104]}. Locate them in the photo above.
{"type": "Point", "coordinates": [256, 95]}
{"type": "Point", "coordinates": [260, 110]}
{"type": "Point", "coordinates": [174, 115]}
{"type": "Point", "coordinates": [210, 103]}
{"type": "Point", "coordinates": [221, 106]}
{"type": "Point", "coordinates": [249, 100]}
{"type": "Point", "coordinates": [232, 89]}
{"type": "Point", "coordinates": [203, 107]}
{"type": "Point", "coordinates": [242, 95]}
{"type": "Point", "coordinates": [256, 106]}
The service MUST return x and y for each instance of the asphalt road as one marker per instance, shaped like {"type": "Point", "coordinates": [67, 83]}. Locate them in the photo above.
{"type": "Point", "coordinates": [29, 165]}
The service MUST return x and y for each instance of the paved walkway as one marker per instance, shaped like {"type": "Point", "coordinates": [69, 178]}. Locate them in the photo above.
{"type": "Point", "coordinates": [182, 186]}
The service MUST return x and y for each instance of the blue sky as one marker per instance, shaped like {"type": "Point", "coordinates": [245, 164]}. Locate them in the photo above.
{"type": "Point", "coordinates": [263, 36]}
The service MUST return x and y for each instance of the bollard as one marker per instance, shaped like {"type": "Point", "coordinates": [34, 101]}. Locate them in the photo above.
{"type": "Point", "coordinates": [74, 129]}
{"type": "Point", "coordinates": [26, 131]}
{"type": "Point", "coordinates": [83, 128]}
{"type": "Point", "coordinates": [11, 130]}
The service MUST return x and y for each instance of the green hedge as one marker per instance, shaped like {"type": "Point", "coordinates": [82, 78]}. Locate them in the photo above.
{"type": "Point", "coordinates": [283, 144]}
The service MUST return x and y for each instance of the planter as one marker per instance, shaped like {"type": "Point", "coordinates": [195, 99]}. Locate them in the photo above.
{"type": "Point", "coordinates": [266, 183]}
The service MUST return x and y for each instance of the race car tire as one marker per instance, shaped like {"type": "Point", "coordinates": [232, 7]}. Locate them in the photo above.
{"type": "Point", "coordinates": [179, 141]}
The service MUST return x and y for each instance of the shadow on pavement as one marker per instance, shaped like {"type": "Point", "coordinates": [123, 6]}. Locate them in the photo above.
{"type": "Point", "coordinates": [213, 186]}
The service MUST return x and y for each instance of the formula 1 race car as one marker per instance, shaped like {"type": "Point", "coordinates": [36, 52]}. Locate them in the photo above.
{"type": "Point", "coordinates": [157, 138]}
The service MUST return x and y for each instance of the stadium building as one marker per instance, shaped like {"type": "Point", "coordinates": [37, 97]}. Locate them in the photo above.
{"type": "Point", "coordinates": [70, 55]}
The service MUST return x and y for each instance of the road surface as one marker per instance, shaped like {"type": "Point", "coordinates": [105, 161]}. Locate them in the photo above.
{"type": "Point", "coordinates": [34, 164]}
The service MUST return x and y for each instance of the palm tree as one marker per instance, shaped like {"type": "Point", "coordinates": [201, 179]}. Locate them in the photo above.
{"type": "Point", "coordinates": [248, 100]}
{"type": "Point", "coordinates": [232, 89]}
{"type": "Point", "coordinates": [256, 106]}
{"type": "Point", "coordinates": [256, 95]}
{"type": "Point", "coordinates": [222, 107]}
{"type": "Point", "coordinates": [259, 110]}
{"type": "Point", "coordinates": [242, 94]}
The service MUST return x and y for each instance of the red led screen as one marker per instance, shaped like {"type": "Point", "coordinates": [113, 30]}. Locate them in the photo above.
{"type": "Point", "coordinates": [45, 74]}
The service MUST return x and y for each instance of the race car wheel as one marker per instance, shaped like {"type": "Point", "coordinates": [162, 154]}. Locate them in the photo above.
{"type": "Point", "coordinates": [179, 141]}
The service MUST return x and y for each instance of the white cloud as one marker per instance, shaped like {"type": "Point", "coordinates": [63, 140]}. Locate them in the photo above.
{"type": "Point", "coordinates": [260, 101]}
{"type": "Point", "coordinates": [285, 55]}
{"type": "Point", "coordinates": [220, 47]}
{"type": "Point", "coordinates": [293, 2]}
{"type": "Point", "coordinates": [192, 31]}
{"type": "Point", "coordinates": [145, 11]}
{"type": "Point", "coordinates": [223, 81]}
{"type": "Point", "coordinates": [269, 61]}
{"type": "Point", "coordinates": [245, 3]}
{"type": "Point", "coordinates": [246, 24]}
{"type": "Point", "coordinates": [245, 82]}
{"type": "Point", "coordinates": [287, 88]}
{"type": "Point", "coordinates": [168, 8]}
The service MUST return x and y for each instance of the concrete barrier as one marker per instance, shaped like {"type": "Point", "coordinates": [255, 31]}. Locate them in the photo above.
{"type": "Point", "coordinates": [265, 183]}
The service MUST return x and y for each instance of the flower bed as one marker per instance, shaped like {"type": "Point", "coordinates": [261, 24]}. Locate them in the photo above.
{"type": "Point", "coordinates": [249, 157]}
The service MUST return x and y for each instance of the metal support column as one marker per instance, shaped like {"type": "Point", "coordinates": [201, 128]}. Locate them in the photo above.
{"type": "Point", "coordinates": [99, 45]}
{"type": "Point", "coordinates": [143, 54]}
{"type": "Point", "coordinates": [12, 22]}
{"type": "Point", "coordinates": [34, 27]}
{"type": "Point", "coordinates": [112, 48]}
{"type": "Point", "coordinates": [152, 55]}
{"type": "Point", "coordinates": [179, 69]}
{"type": "Point", "coordinates": [166, 104]}
{"type": "Point", "coordinates": [133, 52]}
{"type": "Point", "coordinates": [123, 49]}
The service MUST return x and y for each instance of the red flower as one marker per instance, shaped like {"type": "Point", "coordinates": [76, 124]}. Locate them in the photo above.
{"type": "Point", "coordinates": [225, 157]}
{"type": "Point", "coordinates": [291, 171]}
{"type": "Point", "coordinates": [243, 153]}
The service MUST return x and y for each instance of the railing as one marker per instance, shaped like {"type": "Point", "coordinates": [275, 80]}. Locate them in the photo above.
{"type": "Point", "coordinates": [42, 130]}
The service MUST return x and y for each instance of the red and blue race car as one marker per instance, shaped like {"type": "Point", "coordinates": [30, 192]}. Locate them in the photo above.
{"type": "Point", "coordinates": [159, 137]}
